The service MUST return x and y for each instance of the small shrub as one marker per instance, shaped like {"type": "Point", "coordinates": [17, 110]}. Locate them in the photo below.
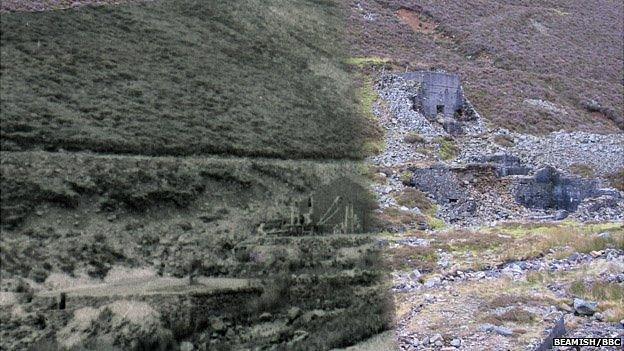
{"type": "Point", "coordinates": [617, 179]}
{"type": "Point", "coordinates": [413, 138]}
{"type": "Point", "coordinates": [39, 275]}
{"type": "Point", "coordinates": [406, 177]}
{"type": "Point", "coordinates": [275, 295]}
{"type": "Point", "coordinates": [583, 170]}
{"type": "Point", "coordinates": [412, 197]}
{"type": "Point", "coordinates": [504, 140]}
{"type": "Point", "coordinates": [535, 278]}
{"type": "Point", "coordinates": [448, 150]}
{"type": "Point", "coordinates": [435, 223]}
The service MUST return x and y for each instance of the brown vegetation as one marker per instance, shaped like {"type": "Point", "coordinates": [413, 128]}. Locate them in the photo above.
{"type": "Point", "coordinates": [460, 240]}
{"type": "Point", "coordinates": [413, 138]}
{"type": "Point", "coordinates": [504, 140]}
{"type": "Point", "coordinates": [86, 79]}
{"type": "Point", "coordinates": [489, 247]}
{"type": "Point", "coordinates": [394, 217]}
{"type": "Point", "coordinates": [406, 257]}
{"type": "Point", "coordinates": [506, 300]}
{"type": "Point", "coordinates": [412, 197]}
{"type": "Point", "coordinates": [617, 179]}
{"type": "Point", "coordinates": [583, 170]}
{"type": "Point", "coordinates": [417, 22]}
{"type": "Point", "coordinates": [515, 314]}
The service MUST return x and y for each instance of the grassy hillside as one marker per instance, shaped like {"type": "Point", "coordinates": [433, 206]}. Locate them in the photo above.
{"type": "Point", "coordinates": [566, 53]}
{"type": "Point", "coordinates": [84, 218]}
{"type": "Point", "coordinates": [253, 78]}
{"type": "Point", "coordinates": [118, 129]}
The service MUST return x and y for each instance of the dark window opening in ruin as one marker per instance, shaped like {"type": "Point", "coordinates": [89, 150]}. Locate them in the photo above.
{"type": "Point", "coordinates": [459, 112]}
{"type": "Point", "coordinates": [62, 300]}
{"type": "Point", "coordinates": [415, 103]}
{"type": "Point", "coordinates": [440, 109]}
{"type": "Point", "coordinates": [452, 201]}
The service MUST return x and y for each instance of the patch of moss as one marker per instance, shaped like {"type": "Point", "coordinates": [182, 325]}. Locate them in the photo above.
{"type": "Point", "coordinates": [448, 149]}
{"type": "Point", "coordinates": [367, 61]}
{"type": "Point", "coordinates": [366, 96]}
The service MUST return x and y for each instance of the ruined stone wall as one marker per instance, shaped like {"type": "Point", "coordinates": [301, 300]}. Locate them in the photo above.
{"type": "Point", "coordinates": [438, 89]}
{"type": "Point", "coordinates": [441, 182]}
{"type": "Point", "coordinates": [547, 189]}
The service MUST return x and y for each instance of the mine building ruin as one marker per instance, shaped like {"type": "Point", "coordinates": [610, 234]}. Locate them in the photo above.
{"type": "Point", "coordinates": [440, 93]}
{"type": "Point", "coordinates": [340, 207]}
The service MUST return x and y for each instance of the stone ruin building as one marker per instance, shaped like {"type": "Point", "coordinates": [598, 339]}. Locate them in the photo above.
{"type": "Point", "coordinates": [440, 93]}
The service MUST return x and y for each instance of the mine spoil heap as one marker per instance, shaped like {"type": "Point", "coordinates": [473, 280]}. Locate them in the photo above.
{"type": "Point", "coordinates": [491, 174]}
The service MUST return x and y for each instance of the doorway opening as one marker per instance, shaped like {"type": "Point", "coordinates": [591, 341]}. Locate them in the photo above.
{"type": "Point", "coordinates": [440, 109]}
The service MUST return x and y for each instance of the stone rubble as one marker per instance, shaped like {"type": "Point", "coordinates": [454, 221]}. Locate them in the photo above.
{"type": "Point", "coordinates": [482, 175]}
{"type": "Point", "coordinates": [604, 153]}
{"type": "Point", "coordinates": [512, 154]}
{"type": "Point", "coordinates": [404, 282]}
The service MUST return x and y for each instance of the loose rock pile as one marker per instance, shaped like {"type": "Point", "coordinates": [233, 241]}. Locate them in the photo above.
{"type": "Point", "coordinates": [497, 175]}
{"type": "Point", "coordinates": [485, 183]}
{"type": "Point", "coordinates": [603, 153]}
{"type": "Point", "coordinates": [410, 281]}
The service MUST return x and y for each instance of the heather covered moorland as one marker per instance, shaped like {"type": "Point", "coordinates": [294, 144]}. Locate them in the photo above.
{"type": "Point", "coordinates": [240, 78]}
{"type": "Point", "coordinates": [569, 54]}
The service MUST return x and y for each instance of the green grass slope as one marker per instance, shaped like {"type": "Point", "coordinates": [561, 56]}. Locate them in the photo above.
{"type": "Point", "coordinates": [253, 78]}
